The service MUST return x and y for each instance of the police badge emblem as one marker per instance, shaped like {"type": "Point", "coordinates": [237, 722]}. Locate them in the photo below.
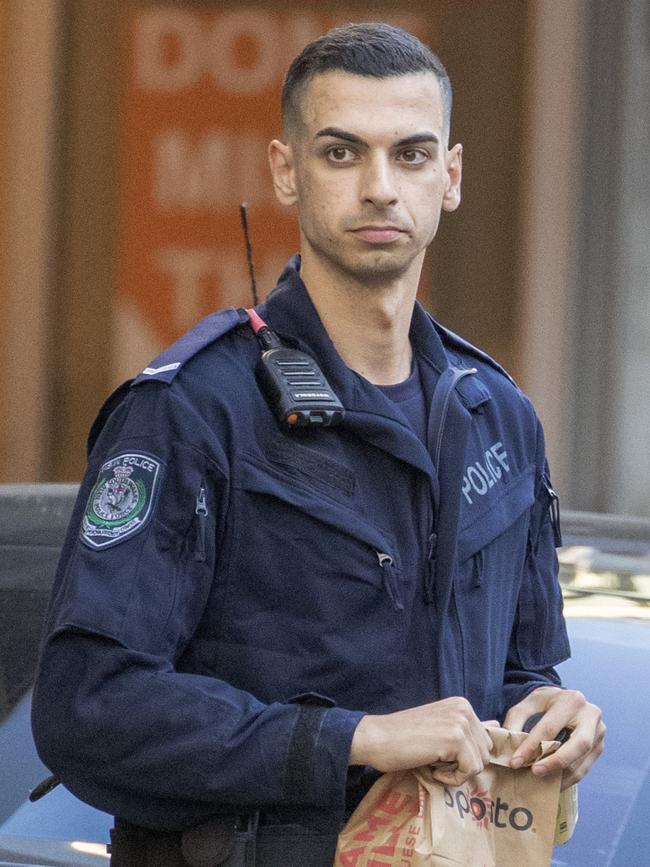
{"type": "Point", "coordinates": [121, 500]}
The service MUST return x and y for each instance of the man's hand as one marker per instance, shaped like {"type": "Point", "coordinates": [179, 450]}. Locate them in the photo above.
{"type": "Point", "coordinates": [562, 708]}
{"type": "Point", "coordinates": [444, 732]}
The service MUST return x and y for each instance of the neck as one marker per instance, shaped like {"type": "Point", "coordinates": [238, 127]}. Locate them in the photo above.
{"type": "Point", "coordinates": [368, 324]}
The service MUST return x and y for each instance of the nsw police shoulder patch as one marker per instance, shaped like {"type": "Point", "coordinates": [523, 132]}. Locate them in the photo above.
{"type": "Point", "coordinates": [122, 499]}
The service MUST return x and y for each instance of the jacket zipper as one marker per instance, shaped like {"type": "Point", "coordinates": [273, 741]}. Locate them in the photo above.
{"type": "Point", "coordinates": [201, 510]}
{"type": "Point", "coordinates": [390, 580]}
{"type": "Point", "coordinates": [430, 572]}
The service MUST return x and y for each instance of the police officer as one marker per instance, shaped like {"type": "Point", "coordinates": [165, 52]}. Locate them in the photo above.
{"type": "Point", "coordinates": [249, 623]}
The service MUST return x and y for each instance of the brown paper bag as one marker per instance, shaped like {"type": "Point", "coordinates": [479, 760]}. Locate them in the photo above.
{"type": "Point", "coordinates": [500, 818]}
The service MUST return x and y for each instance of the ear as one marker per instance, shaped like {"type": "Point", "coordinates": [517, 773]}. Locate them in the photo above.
{"type": "Point", "coordinates": [451, 198]}
{"type": "Point", "coordinates": [281, 162]}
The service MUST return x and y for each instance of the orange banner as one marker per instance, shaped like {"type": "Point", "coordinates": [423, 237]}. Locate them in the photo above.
{"type": "Point", "coordinates": [200, 104]}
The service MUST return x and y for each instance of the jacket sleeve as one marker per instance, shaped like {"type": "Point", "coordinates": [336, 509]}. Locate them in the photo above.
{"type": "Point", "coordinates": [539, 639]}
{"type": "Point", "coordinates": [114, 714]}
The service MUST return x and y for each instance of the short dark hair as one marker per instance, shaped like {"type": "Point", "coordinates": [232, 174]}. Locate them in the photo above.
{"type": "Point", "coordinates": [374, 49]}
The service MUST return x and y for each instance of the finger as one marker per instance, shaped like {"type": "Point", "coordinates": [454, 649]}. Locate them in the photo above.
{"type": "Point", "coordinates": [571, 711]}
{"type": "Point", "coordinates": [538, 701]}
{"type": "Point", "coordinates": [472, 758]}
{"type": "Point", "coordinates": [450, 778]}
{"type": "Point", "coordinates": [485, 744]}
{"type": "Point", "coordinates": [576, 751]}
{"type": "Point", "coordinates": [574, 758]}
{"type": "Point", "coordinates": [577, 771]}
{"type": "Point", "coordinates": [491, 723]}
{"type": "Point", "coordinates": [443, 767]}
{"type": "Point", "coordinates": [457, 773]}
{"type": "Point", "coordinates": [529, 748]}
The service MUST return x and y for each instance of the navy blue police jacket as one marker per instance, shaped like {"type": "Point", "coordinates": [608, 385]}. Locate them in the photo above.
{"type": "Point", "coordinates": [232, 598]}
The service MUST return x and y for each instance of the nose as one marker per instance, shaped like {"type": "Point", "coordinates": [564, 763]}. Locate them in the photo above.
{"type": "Point", "coordinates": [378, 183]}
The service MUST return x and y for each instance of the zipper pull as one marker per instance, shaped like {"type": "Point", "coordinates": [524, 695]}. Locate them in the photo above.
{"type": "Point", "coordinates": [201, 510]}
{"type": "Point", "coordinates": [554, 511]}
{"type": "Point", "coordinates": [430, 570]}
{"type": "Point", "coordinates": [201, 503]}
{"type": "Point", "coordinates": [386, 563]}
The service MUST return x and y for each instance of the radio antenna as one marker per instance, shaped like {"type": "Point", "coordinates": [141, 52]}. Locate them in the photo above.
{"type": "Point", "coordinates": [249, 250]}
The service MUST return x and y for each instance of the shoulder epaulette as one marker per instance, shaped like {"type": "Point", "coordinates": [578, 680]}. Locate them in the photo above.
{"type": "Point", "coordinates": [457, 342]}
{"type": "Point", "coordinates": [171, 360]}
{"type": "Point", "coordinates": [165, 367]}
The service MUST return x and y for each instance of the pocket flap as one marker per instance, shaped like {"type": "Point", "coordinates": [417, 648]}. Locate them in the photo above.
{"type": "Point", "coordinates": [498, 515]}
{"type": "Point", "coordinates": [267, 479]}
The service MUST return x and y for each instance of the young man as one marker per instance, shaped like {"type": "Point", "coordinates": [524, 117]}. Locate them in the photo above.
{"type": "Point", "coordinates": [253, 622]}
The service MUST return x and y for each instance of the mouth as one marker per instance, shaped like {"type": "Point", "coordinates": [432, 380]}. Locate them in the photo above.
{"type": "Point", "coordinates": [383, 234]}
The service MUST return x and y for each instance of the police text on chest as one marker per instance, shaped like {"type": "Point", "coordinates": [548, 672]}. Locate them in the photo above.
{"type": "Point", "coordinates": [484, 473]}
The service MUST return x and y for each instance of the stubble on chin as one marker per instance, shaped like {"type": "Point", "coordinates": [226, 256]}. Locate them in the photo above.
{"type": "Point", "coordinates": [376, 268]}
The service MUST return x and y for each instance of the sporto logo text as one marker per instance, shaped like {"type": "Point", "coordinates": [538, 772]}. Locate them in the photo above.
{"type": "Point", "coordinates": [497, 813]}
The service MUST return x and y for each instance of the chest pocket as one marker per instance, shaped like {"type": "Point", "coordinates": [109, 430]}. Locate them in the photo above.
{"type": "Point", "coordinates": [492, 553]}
{"type": "Point", "coordinates": [313, 583]}
{"type": "Point", "coordinates": [311, 529]}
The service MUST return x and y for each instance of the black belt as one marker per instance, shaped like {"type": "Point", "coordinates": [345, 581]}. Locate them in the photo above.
{"type": "Point", "coordinates": [260, 840]}
{"type": "Point", "coordinates": [219, 842]}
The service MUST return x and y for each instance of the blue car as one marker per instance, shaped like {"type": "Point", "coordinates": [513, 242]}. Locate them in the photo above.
{"type": "Point", "coordinates": [605, 572]}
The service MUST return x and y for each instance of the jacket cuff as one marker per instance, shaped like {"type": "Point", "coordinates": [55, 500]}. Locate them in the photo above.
{"type": "Point", "coordinates": [523, 683]}
{"type": "Point", "coordinates": [317, 763]}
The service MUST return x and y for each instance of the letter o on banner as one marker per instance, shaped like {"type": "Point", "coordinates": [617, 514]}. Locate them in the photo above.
{"type": "Point", "coordinates": [155, 68]}
{"type": "Point", "coordinates": [221, 51]}
{"type": "Point", "coordinates": [528, 819]}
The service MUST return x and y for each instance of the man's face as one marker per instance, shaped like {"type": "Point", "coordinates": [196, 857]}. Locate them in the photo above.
{"type": "Point", "coordinates": [369, 171]}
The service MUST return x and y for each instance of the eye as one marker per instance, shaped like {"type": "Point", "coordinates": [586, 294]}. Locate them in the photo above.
{"type": "Point", "coordinates": [414, 156]}
{"type": "Point", "coordinates": [341, 154]}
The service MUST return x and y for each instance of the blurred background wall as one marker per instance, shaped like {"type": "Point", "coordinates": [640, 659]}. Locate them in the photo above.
{"type": "Point", "coordinates": [131, 130]}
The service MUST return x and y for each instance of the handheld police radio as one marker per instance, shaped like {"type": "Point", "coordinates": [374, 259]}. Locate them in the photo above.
{"type": "Point", "coordinates": [294, 385]}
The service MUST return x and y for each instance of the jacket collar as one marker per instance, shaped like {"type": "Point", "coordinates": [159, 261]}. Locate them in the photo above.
{"type": "Point", "coordinates": [290, 311]}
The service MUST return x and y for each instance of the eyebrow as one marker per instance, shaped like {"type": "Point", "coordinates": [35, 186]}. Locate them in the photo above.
{"type": "Point", "coordinates": [416, 138]}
